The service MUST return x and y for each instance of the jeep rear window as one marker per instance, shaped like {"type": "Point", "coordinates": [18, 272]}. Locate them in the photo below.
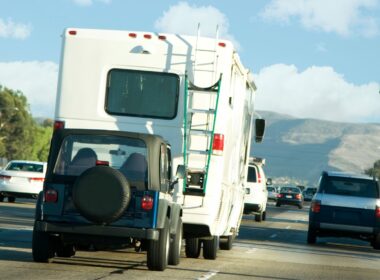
{"type": "Point", "coordinates": [81, 152]}
{"type": "Point", "coordinates": [350, 187]}
{"type": "Point", "coordinates": [252, 174]}
{"type": "Point", "coordinates": [142, 94]}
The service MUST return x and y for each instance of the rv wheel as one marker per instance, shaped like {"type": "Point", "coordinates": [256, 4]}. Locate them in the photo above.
{"type": "Point", "coordinates": [101, 194]}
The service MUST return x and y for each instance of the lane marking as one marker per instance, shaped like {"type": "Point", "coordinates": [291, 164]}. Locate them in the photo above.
{"type": "Point", "coordinates": [209, 275]}
{"type": "Point", "coordinates": [288, 227]}
{"type": "Point", "coordinates": [250, 251]}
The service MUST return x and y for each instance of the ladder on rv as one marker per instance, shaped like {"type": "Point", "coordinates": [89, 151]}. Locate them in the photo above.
{"type": "Point", "coordinates": [199, 127]}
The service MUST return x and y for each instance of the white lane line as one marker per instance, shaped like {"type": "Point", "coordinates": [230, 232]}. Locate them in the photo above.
{"type": "Point", "coordinates": [274, 235]}
{"type": "Point", "coordinates": [288, 227]}
{"type": "Point", "coordinates": [209, 275]}
{"type": "Point", "coordinates": [250, 251]}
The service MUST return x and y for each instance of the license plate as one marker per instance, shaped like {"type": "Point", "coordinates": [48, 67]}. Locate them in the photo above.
{"type": "Point", "coordinates": [288, 196]}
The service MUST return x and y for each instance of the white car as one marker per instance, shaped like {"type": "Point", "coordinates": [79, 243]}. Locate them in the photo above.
{"type": "Point", "coordinates": [256, 193]}
{"type": "Point", "coordinates": [22, 178]}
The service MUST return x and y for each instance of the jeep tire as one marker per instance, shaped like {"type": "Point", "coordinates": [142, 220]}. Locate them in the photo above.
{"type": "Point", "coordinates": [42, 246]}
{"type": "Point", "coordinates": [101, 194]}
{"type": "Point", "coordinates": [158, 250]}
{"type": "Point", "coordinates": [175, 245]}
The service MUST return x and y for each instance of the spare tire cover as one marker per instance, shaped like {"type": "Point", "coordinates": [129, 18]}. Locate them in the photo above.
{"type": "Point", "coordinates": [101, 194]}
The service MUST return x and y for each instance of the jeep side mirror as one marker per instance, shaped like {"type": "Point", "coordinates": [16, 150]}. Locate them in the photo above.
{"type": "Point", "coordinates": [259, 130]}
{"type": "Point", "coordinates": [180, 174]}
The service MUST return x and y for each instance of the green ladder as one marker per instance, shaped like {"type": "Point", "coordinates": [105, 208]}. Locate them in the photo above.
{"type": "Point", "coordinates": [200, 110]}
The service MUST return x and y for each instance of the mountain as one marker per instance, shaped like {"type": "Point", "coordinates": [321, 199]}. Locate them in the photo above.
{"type": "Point", "coordinates": [300, 149]}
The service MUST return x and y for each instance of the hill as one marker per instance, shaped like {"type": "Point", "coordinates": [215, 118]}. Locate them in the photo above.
{"type": "Point", "coordinates": [300, 149]}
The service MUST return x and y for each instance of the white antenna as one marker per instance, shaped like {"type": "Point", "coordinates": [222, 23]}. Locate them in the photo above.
{"type": "Point", "coordinates": [196, 48]}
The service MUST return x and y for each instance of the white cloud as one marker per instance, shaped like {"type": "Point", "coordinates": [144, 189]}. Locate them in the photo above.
{"type": "Point", "coordinates": [37, 81]}
{"type": "Point", "coordinates": [183, 19]}
{"type": "Point", "coordinates": [11, 29]}
{"type": "Point", "coordinates": [317, 92]}
{"type": "Point", "coordinates": [340, 16]}
{"type": "Point", "coordinates": [90, 2]}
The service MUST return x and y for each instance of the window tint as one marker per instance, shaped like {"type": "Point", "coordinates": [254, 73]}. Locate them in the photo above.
{"type": "Point", "coordinates": [81, 152]}
{"type": "Point", "coordinates": [142, 94]}
{"type": "Point", "coordinates": [290, 189]}
{"type": "Point", "coordinates": [350, 187]}
{"type": "Point", "coordinates": [252, 174]}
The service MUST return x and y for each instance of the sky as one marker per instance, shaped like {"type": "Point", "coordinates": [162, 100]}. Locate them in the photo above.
{"type": "Point", "coordinates": [310, 58]}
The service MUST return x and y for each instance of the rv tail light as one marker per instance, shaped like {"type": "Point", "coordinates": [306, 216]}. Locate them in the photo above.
{"type": "Point", "coordinates": [221, 44]}
{"type": "Point", "coordinates": [102, 162]}
{"type": "Point", "coordinates": [147, 202]}
{"type": "Point", "coordinates": [72, 32]}
{"type": "Point", "coordinates": [218, 144]}
{"type": "Point", "coordinates": [162, 37]}
{"type": "Point", "coordinates": [132, 35]}
{"type": "Point", "coordinates": [315, 206]}
{"type": "Point", "coordinates": [377, 212]}
{"type": "Point", "coordinates": [147, 36]}
{"type": "Point", "coordinates": [59, 125]}
{"type": "Point", "coordinates": [36, 179]}
{"type": "Point", "coordinates": [51, 195]}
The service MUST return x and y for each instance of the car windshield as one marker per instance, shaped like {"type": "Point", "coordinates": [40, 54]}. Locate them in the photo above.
{"type": "Point", "coordinates": [350, 187]}
{"type": "Point", "coordinates": [81, 152]}
{"type": "Point", "coordinates": [25, 166]}
{"type": "Point", "coordinates": [290, 189]}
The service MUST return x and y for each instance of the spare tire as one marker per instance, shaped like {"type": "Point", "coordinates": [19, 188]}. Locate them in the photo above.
{"type": "Point", "coordinates": [101, 194]}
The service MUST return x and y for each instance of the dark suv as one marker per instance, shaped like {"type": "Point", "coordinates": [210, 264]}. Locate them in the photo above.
{"type": "Point", "coordinates": [345, 205]}
{"type": "Point", "coordinates": [108, 188]}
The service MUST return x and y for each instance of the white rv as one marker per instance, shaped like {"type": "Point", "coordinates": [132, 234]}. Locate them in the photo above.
{"type": "Point", "coordinates": [193, 91]}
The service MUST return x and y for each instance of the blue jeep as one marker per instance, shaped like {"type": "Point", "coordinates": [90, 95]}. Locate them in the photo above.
{"type": "Point", "coordinates": [108, 188]}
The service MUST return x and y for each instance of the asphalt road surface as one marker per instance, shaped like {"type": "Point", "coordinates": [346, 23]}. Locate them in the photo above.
{"type": "Point", "coordinates": [273, 249]}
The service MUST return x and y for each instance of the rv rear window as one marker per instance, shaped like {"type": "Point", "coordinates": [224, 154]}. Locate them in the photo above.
{"type": "Point", "coordinates": [142, 94]}
{"type": "Point", "coordinates": [252, 174]}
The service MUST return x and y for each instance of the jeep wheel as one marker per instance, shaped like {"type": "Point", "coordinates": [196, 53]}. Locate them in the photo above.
{"type": "Point", "coordinates": [1, 198]}
{"type": "Point", "coordinates": [210, 248]}
{"type": "Point", "coordinates": [192, 248]}
{"type": "Point", "coordinates": [101, 194]}
{"type": "Point", "coordinates": [376, 242]}
{"type": "Point", "coordinates": [158, 251]}
{"type": "Point", "coordinates": [226, 244]}
{"type": "Point", "coordinates": [311, 236]}
{"type": "Point", "coordinates": [175, 245]}
{"type": "Point", "coordinates": [42, 246]}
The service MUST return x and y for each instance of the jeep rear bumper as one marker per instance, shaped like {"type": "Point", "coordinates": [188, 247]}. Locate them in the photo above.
{"type": "Point", "coordinates": [99, 230]}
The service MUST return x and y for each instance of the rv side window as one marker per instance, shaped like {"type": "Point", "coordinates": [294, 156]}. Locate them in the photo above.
{"type": "Point", "coordinates": [142, 94]}
{"type": "Point", "coordinates": [251, 174]}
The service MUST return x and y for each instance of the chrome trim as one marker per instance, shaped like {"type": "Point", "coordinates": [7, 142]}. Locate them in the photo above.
{"type": "Point", "coordinates": [346, 227]}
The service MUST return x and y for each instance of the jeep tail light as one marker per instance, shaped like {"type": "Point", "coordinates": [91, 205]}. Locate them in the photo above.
{"type": "Point", "coordinates": [37, 179]}
{"type": "Point", "coordinates": [218, 144]}
{"type": "Point", "coordinates": [58, 125]}
{"type": "Point", "coordinates": [147, 202]}
{"type": "Point", "coordinates": [51, 195]}
{"type": "Point", "coordinates": [298, 196]}
{"type": "Point", "coordinates": [377, 212]}
{"type": "Point", "coordinates": [315, 206]}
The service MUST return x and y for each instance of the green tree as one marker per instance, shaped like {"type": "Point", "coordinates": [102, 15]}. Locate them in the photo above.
{"type": "Point", "coordinates": [375, 170]}
{"type": "Point", "coordinates": [20, 136]}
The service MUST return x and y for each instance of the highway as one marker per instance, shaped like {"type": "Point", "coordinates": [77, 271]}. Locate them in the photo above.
{"type": "Point", "coordinates": [273, 249]}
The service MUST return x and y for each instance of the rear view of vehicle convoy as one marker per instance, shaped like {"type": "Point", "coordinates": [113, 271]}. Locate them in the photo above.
{"type": "Point", "coordinates": [179, 102]}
